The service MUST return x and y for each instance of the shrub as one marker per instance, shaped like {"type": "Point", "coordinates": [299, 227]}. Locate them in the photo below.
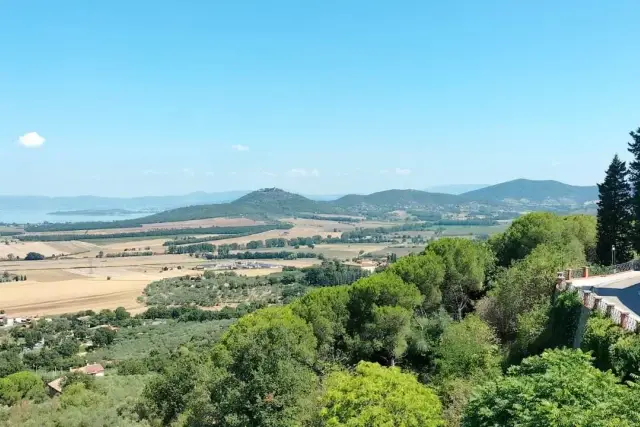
{"type": "Point", "coordinates": [600, 334]}
{"type": "Point", "coordinates": [625, 356]}
{"type": "Point", "coordinates": [34, 256]}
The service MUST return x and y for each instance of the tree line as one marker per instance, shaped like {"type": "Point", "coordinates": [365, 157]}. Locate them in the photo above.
{"type": "Point", "coordinates": [619, 208]}
{"type": "Point", "coordinates": [246, 230]}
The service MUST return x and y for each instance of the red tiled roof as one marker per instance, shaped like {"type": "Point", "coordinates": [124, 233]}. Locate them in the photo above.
{"type": "Point", "coordinates": [96, 368]}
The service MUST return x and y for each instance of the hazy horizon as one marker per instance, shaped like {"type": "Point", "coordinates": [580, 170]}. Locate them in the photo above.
{"type": "Point", "coordinates": [132, 98]}
{"type": "Point", "coordinates": [454, 189]}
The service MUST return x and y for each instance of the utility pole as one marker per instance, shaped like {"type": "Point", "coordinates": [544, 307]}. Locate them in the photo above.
{"type": "Point", "coordinates": [613, 257]}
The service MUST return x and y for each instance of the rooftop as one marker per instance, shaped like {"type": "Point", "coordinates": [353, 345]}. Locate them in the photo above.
{"type": "Point", "coordinates": [56, 384]}
{"type": "Point", "coordinates": [90, 369]}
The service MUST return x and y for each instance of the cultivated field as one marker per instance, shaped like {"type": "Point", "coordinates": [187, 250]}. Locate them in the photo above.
{"type": "Point", "coordinates": [70, 285]}
{"type": "Point", "coordinates": [199, 223]}
{"type": "Point", "coordinates": [45, 248]}
{"type": "Point", "coordinates": [80, 281]}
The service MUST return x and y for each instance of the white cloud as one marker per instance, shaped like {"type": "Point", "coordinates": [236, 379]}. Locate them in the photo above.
{"type": "Point", "coordinates": [31, 139]}
{"type": "Point", "coordinates": [384, 171]}
{"type": "Point", "coordinates": [239, 147]}
{"type": "Point", "coordinates": [400, 171]}
{"type": "Point", "coordinates": [304, 172]}
{"type": "Point", "coordinates": [209, 173]}
{"type": "Point", "coordinates": [267, 173]}
{"type": "Point", "coordinates": [188, 172]}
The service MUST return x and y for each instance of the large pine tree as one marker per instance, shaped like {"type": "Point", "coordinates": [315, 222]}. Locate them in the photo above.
{"type": "Point", "coordinates": [615, 215]}
{"type": "Point", "coordinates": [634, 178]}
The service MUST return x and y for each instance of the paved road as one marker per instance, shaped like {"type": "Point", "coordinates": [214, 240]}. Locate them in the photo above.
{"type": "Point", "coordinates": [622, 289]}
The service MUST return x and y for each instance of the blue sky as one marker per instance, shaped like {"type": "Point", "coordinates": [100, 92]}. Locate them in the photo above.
{"type": "Point", "coordinates": [321, 97]}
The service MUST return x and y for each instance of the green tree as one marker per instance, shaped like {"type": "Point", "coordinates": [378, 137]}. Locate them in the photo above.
{"type": "Point", "coordinates": [424, 341]}
{"type": "Point", "coordinates": [21, 386]}
{"type": "Point", "coordinates": [634, 179]}
{"type": "Point", "coordinates": [614, 215]}
{"type": "Point", "coordinates": [527, 284]}
{"type": "Point", "coordinates": [168, 395]}
{"type": "Point", "coordinates": [377, 396]}
{"type": "Point", "coordinates": [132, 367]}
{"type": "Point", "coordinates": [79, 396]}
{"type": "Point", "coordinates": [426, 272]}
{"type": "Point", "coordinates": [583, 229]}
{"type": "Point", "coordinates": [524, 235]}
{"type": "Point", "coordinates": [466, 265]}
{"type": "Point", "coordinates": [468, 349]}
{"type": "Point", "coordinates": [32, 337]}
{"type": "Point", "coordinates": [625, 356]}
{"type": "Point", "coordinates": [67, 347]}
{"type": "Point", "coordinates": [380, 309]}
{"type": "Point", "coordinates": [34, 256]}
{"type": "Point", "coordinates": [558, 388]}
{"type": "Point", "coordinates": [103, 337]}
{"type": "Point", "coordinates": [266, 377]}
{"type": "Point", "coordinates": [121, 314]}
{"type": "Point", "coordinates": [10, 362]}
{"type": "Point", "coordinates": [467, 355]}
{"type": "Point", "coordinates": [325, 310]}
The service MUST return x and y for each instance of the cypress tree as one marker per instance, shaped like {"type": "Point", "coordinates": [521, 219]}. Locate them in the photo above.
{"type": "Point", "coordinates": [614, 215]}
{"type": "Point", "coordinates": [634, 178]}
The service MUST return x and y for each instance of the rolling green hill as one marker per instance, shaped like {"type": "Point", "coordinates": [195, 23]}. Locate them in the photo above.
{"type": "Point", "coordinates": [553, 192]}
{"type": "Point", "coordinates": [262, 204]}
{"type": "Point", "coordinates": [268, 202]}
{"type": "Point", "coordinates": [273, 203]}
{"type": "Point", "coordinates": [397, 199]}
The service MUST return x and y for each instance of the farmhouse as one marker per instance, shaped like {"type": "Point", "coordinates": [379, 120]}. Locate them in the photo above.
{"type": "Point", "coordinates": [55, 386]}
{"type": "Point", "coordinates": [96, 369]}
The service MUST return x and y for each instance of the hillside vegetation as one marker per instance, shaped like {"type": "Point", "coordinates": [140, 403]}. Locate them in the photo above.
{"type": "Point", "coordinates": [273, 203]}
{"type": "Point", "coordinates": [396, 199]}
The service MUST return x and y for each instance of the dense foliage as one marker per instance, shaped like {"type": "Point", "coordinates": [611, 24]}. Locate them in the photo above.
{"type": "Point", "coordinates": [559, 388]}
{"type": "Point", "coordinates": [465, 333]}
{"type": "Point", "coordinates": [374, 395]}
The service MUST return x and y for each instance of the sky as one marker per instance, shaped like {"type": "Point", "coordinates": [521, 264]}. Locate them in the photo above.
{"type": "Point", "coordinates": [132, 98]}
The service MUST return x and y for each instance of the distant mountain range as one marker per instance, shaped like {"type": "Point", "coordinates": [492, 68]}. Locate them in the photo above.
{"type": "Point", "coordinates": [525, 190]}
{"type": "Point", "coordinates": [521, 193]}
{"type": "Point", "coordinates": [273, 202]}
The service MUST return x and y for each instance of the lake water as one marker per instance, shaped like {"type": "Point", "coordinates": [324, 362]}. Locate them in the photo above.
{"type": "Point", "coordinates": [34, 217]}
